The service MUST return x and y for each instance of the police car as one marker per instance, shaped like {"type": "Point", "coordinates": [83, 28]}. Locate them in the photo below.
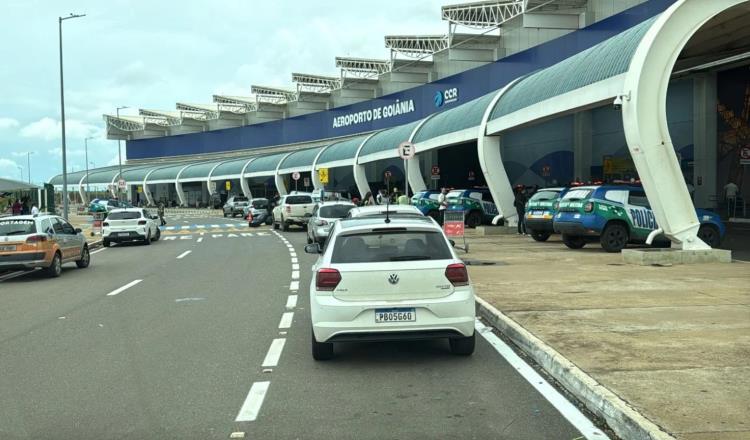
{"type": "Point", "coordinates": [427, 202]}
{"type": "Point", "coordinates": [477, 204]}
{"type": "Point", "coordinates": [618, 215]}
{"type": "Point", "coordinates": [540, 212]}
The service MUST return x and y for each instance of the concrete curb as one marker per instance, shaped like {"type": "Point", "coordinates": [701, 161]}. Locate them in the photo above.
{"type": "Point", "coordinates": [624, 420]}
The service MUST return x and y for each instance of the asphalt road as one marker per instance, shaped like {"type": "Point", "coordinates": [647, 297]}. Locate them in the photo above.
{"type": "Point", "coordinates": [176, 355]}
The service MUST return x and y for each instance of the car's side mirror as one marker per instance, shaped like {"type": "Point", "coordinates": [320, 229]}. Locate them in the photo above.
{"type": "Point", "coordinates": [78, 230]}
{"type": "Point", "coordinates": [313, 248]}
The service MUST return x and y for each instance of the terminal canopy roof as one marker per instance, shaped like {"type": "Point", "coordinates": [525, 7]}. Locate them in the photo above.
{"type": "Point", "coordinates": [102, 177]}
{"type": "Point", "coordinates": [386, 142]}
{"type": "Point", "coordinates": [73, 178]}
{"type": "Point", "coordinates": [341, 153]}
{"type": "Point", "coordinates": [7, 185]}
{"type": "Point", "coordinates": [301, 160]}
{"type": "Point", "coordinates": [462, 117]}
{"type": "Point", "coordinates": [166, 174]}
{"type": "Point", "coordinates": [198, 171]}
{"type": "Point", "coordinates": [135, 175]}
{"type": "Point", "coordinates": [265, 165]}
{"type": "Point", "coordinates": [230, 168]}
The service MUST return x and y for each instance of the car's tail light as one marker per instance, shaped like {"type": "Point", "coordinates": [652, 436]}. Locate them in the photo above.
{"type": "Point", "coordinates": [588, 207]}
{"type": "Point", "coordinates": [457, 274]}
{"type": "Point", "coordinates": [321, 222]}
{"type": "Point", "coordinates": [34, 239]}
{"type": "Point", "coordinates": [105, 224]}
{"type": "Point", "coordinates": [142, 222]}
{"type": "Point", "coordinates": [327, 279]}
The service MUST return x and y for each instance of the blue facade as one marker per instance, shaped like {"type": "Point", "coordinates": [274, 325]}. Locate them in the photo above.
{"type": "Point", "coordinates": [398, 108]}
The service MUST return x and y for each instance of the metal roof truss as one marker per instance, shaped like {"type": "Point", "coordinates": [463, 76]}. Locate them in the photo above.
{"type": "Point", "coordinates": [315, 83]}
{"type": "Point", "coordinates": [362, 67]}
{"type": "Point", "coordinates": [416, 46]}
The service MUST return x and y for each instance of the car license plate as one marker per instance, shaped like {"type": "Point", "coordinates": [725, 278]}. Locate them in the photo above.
{"type": "Point", "coordinates": [7, 248]}
{"type": "Point", "coordinates": [123, 234]}
{"type": "Point", "coordinates": [537, 213]}
{"type": "Point", "coordinates": [395, 315]}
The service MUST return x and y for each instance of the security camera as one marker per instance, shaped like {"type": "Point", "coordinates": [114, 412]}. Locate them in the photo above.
{"type": "Point", "coordinates": [617, 104]}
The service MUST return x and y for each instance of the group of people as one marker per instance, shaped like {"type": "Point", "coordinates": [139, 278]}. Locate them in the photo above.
{"type": "Point", "coordinates": [23, 207]}
{"type": "Point", "coordinates": [382, 198]}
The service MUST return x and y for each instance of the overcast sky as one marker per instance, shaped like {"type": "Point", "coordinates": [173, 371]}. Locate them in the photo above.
{"type": "Point", "coordinates": [151, 54]}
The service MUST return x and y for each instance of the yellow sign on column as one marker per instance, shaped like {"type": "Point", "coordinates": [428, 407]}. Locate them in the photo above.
{"type": "Point", "coordinates": [228, 185]}
{"type": "Point", "coordinates": [323, 175]}
{"type": "Point", "coordinates": [140, 189]}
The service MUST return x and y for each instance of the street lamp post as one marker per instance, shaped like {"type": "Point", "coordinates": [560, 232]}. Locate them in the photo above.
{"type": "Point", "coordinates": [86, 149]}
{"type": "Point", "coordinates": [28, 164]}
{"type": "Point", "coordinates": [20, 168]}
{"type": "Point", "coordinates": [119, 155]}
{"type": "Point", "coordinates": [62, 115]}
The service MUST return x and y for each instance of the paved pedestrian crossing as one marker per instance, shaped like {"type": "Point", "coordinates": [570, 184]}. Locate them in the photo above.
{"type": "Point", "coordinates": [204, 226]}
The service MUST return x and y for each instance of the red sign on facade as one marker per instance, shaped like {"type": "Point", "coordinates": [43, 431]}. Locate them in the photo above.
{"type": "Point", "coordinates": [435, 170]}
{"type": "Point", "coordinates": [546, 170]}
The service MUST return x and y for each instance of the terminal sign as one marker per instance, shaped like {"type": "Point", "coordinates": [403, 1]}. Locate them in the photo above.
{"type": "Point", "coordinates": [323, 175]}
{"type": "Point", "coordinates": [406, 150]}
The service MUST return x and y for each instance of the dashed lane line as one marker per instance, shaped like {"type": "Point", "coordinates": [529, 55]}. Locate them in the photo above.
{"type": "Point", "coordinates": [295, 274]}
{"type": "Point", "coordinates": [253, 402]}
{"type": "Point", "coordinates": [295, 266]}
{"type": "Point", "coordinates": [286, 320]}
{"type": "Point", "coordinates": [200, 239]}
{"type": "Point", "coordinates": [294, 285]}
{"type": "Point", "coordinates": [124, 288]}
{"type": "Point", "coordinates": [274, 353]}
{"type": "Point", "coordinates": [97, 251]}
{"type": "Point", "coordinates": [183, 255]}
{"type": "Point", "coordinates": [291, 302]}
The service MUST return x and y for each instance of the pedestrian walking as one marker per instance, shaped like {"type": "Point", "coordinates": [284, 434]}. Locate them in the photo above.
{"type": "Point", "coordinates": [17, 207]}
{"type": "Point", "coordinates": [368, 200]}
{"type": "Point", "coordinates": [34, 209]}
{"type": "Point", "coordinates": [160, 211]}
{"type": "Point", "coordinates": [520, 203]}
{"type": "Point", "coordinates": [443, 203]}
{"type": "Point", "coordinates": [730, 196]}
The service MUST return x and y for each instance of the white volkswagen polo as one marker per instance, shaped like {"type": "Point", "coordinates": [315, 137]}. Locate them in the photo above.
{"type": "Point", "coordinates": [381, 280]}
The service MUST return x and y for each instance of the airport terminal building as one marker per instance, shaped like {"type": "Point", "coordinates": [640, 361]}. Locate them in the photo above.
{"type": "Point", "coordinates": [531, 92]}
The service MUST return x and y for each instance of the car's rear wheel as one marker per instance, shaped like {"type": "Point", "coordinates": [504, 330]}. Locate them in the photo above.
{"type": "Point", "coordinates": [158, 234]}
{"type": "Point", "coordinates": [573, 241]}
{"type": "Point", "coordinates": [269, 220]}
{"type": "Point", "coordinates": [474, 219]}
{"type": "Point", "coordinates": [275, 224]}
{"type": "Point", "coordinates": [284, 225]}
{"type": "Point", "coordinates": [85, 258]}
{"type": "Point", "coordinates": [147, 241]}
{"type": "Point", "coordinates": [55, 268]}
{"type": "Point", "coordinates": [709, 234]}
{"type": "Point", "coordinates": [321, 351]}
{"type": "Point", "coordinates": [463, 346]}
{"type": "Point", "coordinates": [540, 235]}
{"type": "Point", "coordinates": [614, 237]}
{"type": "Point", "coordinates": [105, 243]}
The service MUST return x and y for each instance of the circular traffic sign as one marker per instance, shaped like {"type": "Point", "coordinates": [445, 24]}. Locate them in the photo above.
{"type": "Point", "coordinates": [295, 175]}
{"type": "Point", "coordinates": [745, 152]}
{"type": "Point", "coordinates": [406, 150]}
{"type": "Point", "coordinates": [387, 174]}
{"type": "Point", "coordinates": [435, 170]}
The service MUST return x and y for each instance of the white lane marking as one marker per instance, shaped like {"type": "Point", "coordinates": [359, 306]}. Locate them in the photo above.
{"type": "Point", "coordinates": [200, 239]}
{"type": "Point", "coordinates": [169, 228]}
{"type": "Point", "coordinates": [170, 238]}
{"type": "Point", "coordinates": [291, 302]}
{"type": "Point", "coordinates": [229, 225]}
{"type": "Point", "coordinates": [183, 255]}
{"type": "Point", "coordinates": [185, 227]}
{"type": "Point", "coordinates": [290, 246]}
{"type": "Point", "coordinates": [246, 234]}
{"type": "Point", "coordinates": [294, 259]}
{"type": "Point", "coordinates": [186, 237]}
{"type": "Point", "coordinates": [97, 251]}
{"type": "Point", "coordinates": [263, 234]}
{"type": "Point", "coordinates": [232, 235]}
{"type": "Point", "coordinates": [274, 353]}
{"type": "Point", "coordinates": [123, 288]}
{"type": "Point", "coordinates": [567, 409]}
{"type": "Point", "coordinates": [286, 320]}
{"type": "Point", "coordinates": [200, 226]}
{"type": "Point", "coordinates": [295, 274]}
{"type": "Point", "coordinates": [293, 254]}
{"type": "Point", "coordinates": [215, 226]}
{"type": "Point", "coordinates": [294, 285]}
{"type": "Point", "coordinates": [253, 402]}
{"type": "Point", "coordinates": [295, 266]}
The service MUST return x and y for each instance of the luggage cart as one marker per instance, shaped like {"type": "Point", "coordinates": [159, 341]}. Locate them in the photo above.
{"type": "Point", "coordinates": [453, 225]}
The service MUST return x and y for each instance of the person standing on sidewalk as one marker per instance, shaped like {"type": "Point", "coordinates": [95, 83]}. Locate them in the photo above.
{"type": "Point", "coordinates": [443, 203]}
{"type": "Point", "coordinates": [160, 211]}
{"type": "Point", "coordinates": [34, 209]}
{"type": "Point", "coordinates": [520, 204]}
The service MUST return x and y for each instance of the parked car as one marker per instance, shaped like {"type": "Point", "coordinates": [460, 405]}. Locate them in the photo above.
{"type": "Point", "coordinates": [380, 211]}
{"type": "Point", "coordinates": [617, 215]}
{"type": "Point", "coordinates": [389, 281]}
{"type": "Point", "coordinates": [540, 212]}
{"type": "Point", "coordinates": [215, 201]}
{"type": "Point", "coordinates": [132, 224]}
{"type": "Point", "coordinates": [427, 202]}
{"type": "Point", "coordinates": [41, 241]}
{"type": "Point", "coordinates": [257, 212]}
{"type": "Point", "coordinates": [107, 205]}
{"type": "Point", "coordinates": [235, 205]}
{"type": "Point", "coordinates": [323, 216]}
{"type": "Point", "coordinates": [293, 209]}
{"type": "Point", "coordinates": [477, 204]}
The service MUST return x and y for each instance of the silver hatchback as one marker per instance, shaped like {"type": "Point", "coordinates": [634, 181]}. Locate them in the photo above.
{"type": "Point", "coordinates": [323, 216]}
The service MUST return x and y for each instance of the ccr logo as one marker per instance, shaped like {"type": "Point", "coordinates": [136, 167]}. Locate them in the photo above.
{"type": "Point", "coordinates": [438, 98]}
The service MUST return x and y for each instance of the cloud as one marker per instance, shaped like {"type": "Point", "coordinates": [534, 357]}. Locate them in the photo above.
{"type": "Point", "coordinates": [57, 152]}
{"type": "Point", "coordinates": [8, 123]}
{"type": "Point", "coordinates": [9, 169]}
{"type": "Point", "coordinates": [50, 129]}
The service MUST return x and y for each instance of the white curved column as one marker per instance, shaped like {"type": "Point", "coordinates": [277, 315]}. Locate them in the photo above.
{"type": "Point", "coordinates": [491, 163]}
{"type": "Point", "coordinates": [644, 115]}
{"type": "Point", "coordinates": [178, 187]}
{"type": "Point", "coordinates": [413, 171]}
{"type": "Point", "coordinates": [317, 184]}
{"type": "Point", "coordinates": [81, 192]}
{"type": "Point", "coordinates": [146, 190]}
{"type": "Point", "coordinates": [278, 180]}
{"type": "Point", "coordinates": [243, 180]}
{"type": "Point", "coordinates": [358, 171]}
{"type": "Point", "coordinates": [113, 189]}
{"type": "Point", "coordinates": [208, 177]}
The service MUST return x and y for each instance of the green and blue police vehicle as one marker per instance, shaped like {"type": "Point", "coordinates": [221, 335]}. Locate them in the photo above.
{"type": "Point", "coordinates": [540, 212]}
{"type": "Point", "coordinates": [477, 204]}
{"type": "Point", "coordinates": [616, 215]}
{"type": "Point", "coordinates": [427, 202]}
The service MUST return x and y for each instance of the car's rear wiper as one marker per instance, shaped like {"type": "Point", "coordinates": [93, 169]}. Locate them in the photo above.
{"type": "Point", "coordinates": [411, 257]}
{"type": "Point", "coordinates": [16, 233]}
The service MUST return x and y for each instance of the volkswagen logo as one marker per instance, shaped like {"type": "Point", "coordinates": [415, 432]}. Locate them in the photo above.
{"type": "Point", "coordinates": [393, 278]}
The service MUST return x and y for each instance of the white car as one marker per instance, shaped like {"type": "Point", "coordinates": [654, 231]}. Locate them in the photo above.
{"type": "Point", "coordinates": [322, 219]}
{"type": "Point", "coordinates": [380, 210]}
{"type": "Point", "coordinates": [293, 209]}
{"type": "Point", "coordinates": [378, 281]}
{"type": "Point", "coordinates": [131, 224]}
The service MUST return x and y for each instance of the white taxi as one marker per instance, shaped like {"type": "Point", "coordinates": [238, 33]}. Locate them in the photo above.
{"type": "Point", "coordinates": [393, 279]}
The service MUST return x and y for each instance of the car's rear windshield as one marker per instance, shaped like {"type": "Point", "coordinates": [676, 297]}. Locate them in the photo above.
{"type": "Point", "coordinates": [578, 194]}
{"type": "Point", "coordinates": [544, 195]}
{"type": "Point", "coordinates": [334, 211]}
{"type": "Point", "coordinates": [374, 247]}
{"type": "Point", "coordinates": [260, 204]}
{"type": "Point", "coordinates": [17, 227]}
{"type": "Point", "coordinates": [454, 194]}
{"type": "Point", "coordinates": [240, 199]}
{"type": "Point", "coordinates": [298, 200]}
{"type": "Point", "coordinates": [124, 215]}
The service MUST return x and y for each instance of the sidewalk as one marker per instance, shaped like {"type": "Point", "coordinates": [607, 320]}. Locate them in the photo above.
{"type": "Point", "coordinates": [672, 342]}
